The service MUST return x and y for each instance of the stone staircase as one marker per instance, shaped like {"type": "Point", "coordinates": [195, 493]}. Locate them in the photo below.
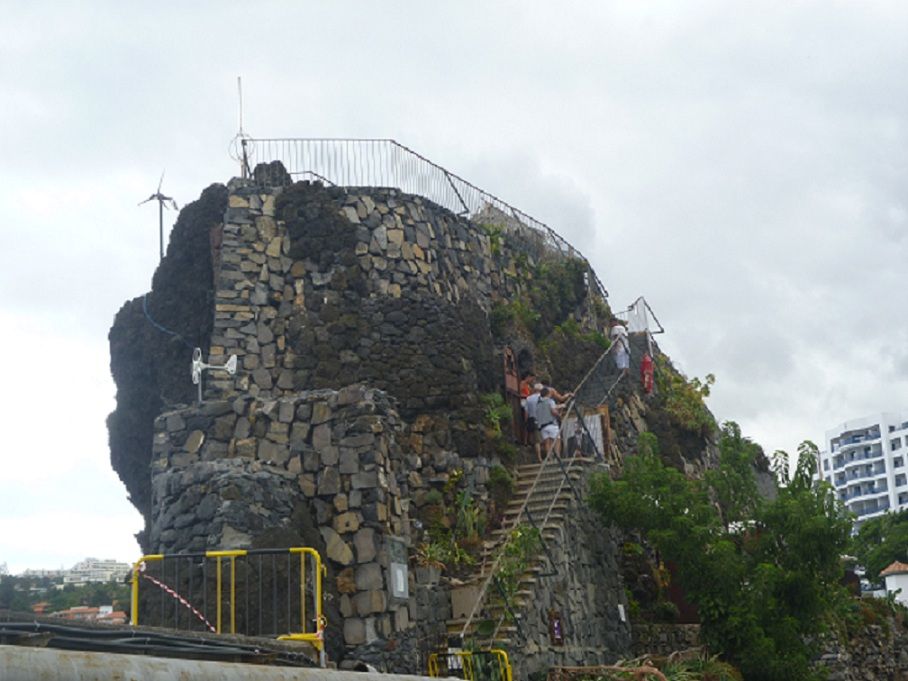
{"type": "Point", "coordinates": [543, 495]}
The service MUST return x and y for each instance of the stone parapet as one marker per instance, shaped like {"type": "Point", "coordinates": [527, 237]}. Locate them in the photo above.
{"type": "Point", "coordinates": [228, 471]}
{"type": "Point", "coordinates": [321, 287]}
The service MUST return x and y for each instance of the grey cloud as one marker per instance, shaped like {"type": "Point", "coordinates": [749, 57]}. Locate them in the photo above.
{"type": "Point", "coordinates": [740, 164]}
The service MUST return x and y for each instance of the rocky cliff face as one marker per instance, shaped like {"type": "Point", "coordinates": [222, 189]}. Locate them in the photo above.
{"type": "Point", "coordinates": [366, 323]}
{"type": "Point", "coordinates": [319, 287]}
{"type": "Point", "coordinates": [152, 338]}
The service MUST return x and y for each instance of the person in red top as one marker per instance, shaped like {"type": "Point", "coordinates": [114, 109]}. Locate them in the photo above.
{"type": "Point", "coordinates": [526, 385]}
{"type": "Point", "coordinates": [529, 422]}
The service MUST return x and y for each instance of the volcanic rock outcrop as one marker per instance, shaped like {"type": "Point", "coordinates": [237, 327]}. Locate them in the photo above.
{"type": "Point", "coordinates": [368, 325]}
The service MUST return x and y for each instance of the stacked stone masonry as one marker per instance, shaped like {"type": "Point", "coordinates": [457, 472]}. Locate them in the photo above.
{"type": "Point", "coordinates": [581, 586]}
{"type": "Point", "coordinates": [226, 471]}
{"type": "Point", "coordinates": [360, 321]}
{"type": "Point", "coordinates": [325, 287]}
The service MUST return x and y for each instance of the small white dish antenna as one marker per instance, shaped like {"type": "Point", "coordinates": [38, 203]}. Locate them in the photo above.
{"type": "Point", "coordinates": [198, 366]}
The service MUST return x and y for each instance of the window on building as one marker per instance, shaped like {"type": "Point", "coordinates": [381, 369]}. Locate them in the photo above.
{"type": "Point", "coordinates": [826, 465]}
{"type": "Point", "coordinates": [900, 480]}
{"type": "Point", "coordinates": [891, 429]}
{"type": "Point", "coordinates": [898, 462]}
{"type": "Point", "coordinates": [895, 443]}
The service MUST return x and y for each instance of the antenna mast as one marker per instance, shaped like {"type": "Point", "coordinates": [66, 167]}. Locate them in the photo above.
{"type": "Point", "coordinates": [238, 150]}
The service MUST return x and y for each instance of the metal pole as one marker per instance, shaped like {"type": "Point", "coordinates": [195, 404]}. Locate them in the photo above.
{"type": "Point", "coordinates": [161, 227]}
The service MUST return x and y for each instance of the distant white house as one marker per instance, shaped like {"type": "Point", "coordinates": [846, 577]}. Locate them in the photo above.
{"type": "Point", "coordinates": [866, 461]}
{"type": "Point", "coordinates": [896, 576]}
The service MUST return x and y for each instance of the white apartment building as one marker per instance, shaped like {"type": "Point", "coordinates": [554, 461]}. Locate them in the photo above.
{"type": "Point", "coordinates": [865, 461]}
{"type": "Point", "coordinates": [94, 570]}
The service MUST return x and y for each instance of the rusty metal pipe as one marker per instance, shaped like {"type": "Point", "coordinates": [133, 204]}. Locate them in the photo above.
{"type": "Point", "coordinates": [43, 664]}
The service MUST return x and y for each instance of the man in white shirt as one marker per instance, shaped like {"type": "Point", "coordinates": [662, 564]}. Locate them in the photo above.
{"type": "Point", "coordinates": [618, 336]}
{"type": "Point", "coordinates": [547, 422]}
{"type": "Point", "coordinates": [531, 403]}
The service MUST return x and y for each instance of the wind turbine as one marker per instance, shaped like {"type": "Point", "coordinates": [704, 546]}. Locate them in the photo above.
{"type": "Point", "coordinates": [162, 201]}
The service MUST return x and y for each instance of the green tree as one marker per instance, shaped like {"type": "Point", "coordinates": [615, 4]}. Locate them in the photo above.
{"type": "Point", "coordinates": [880, 541]}
{"type": "Point", "coordinates": [733, 484]}
{"type": "Point", "coordinates": [763, 574]}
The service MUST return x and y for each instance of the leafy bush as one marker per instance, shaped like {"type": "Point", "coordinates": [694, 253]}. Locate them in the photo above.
{"type": "Point", "coordinates": [501, 485]}
{"type": "Point", "coordinates": [597, 338]}
{"type": "Point", "coordinates": [470, 521]}
{"type": "Point", "coordinates": [519, 549]}
{"type": "Point", "coordinates": [683, 398]}
{"type": "Point", "coordinates": [431, 554]}
{"type": "Point", "coordinates": [880, 541]}
{"type": "Point", "coordinates": [494, 233]}
{"type": "Point", "coordinates": [666, 611]}
{"type": "Point", "coordinates": [496, 412]}
{"type": "Point", "coordinates": [764, 574]}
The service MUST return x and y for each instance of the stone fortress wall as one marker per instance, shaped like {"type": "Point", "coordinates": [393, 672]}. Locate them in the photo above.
{"type": "Point", "coordinates": [360, 317]}
{"type": "Point", "coordinates": [360, 320]}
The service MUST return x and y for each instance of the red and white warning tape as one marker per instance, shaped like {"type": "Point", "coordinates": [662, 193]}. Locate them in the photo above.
{"type": "Point", "coordinates": [161, 585]}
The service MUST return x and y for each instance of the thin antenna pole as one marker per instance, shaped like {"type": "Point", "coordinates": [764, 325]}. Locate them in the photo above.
{"type": "Point", "coordinates": [239, 89]}
{"type": "Point", "coordinates": [244, 162]}
{"type": "Point", "coordinates": [161, 227]}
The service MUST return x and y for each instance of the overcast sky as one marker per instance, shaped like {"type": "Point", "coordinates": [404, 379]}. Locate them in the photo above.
{"type": "Point", "coordinates": [742, 165]}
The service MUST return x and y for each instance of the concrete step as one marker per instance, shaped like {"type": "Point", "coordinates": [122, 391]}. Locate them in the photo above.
{"type": "Point", "coordinates": [548, 530]}
{"type": "Point", "coordinates": [540, 493]}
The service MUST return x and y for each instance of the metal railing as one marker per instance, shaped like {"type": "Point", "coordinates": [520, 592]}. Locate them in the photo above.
{"type": "Point", "coordinates": [477, 665]}
{"type": "Point", "coordinates": [387, 163]}
{"type": "Point", "coordinates": [639, 316]}
{"type": "Point", "coordinates": [554, 459]}
{"type": "Point", "coordinates": [256, 592]}
{"type": "Point", "coordinates": [550, 459]}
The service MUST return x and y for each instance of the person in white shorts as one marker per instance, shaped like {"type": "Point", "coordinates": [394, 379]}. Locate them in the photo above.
{"type": "Point", "coordinates": [531, 402]}
{"type": "Point", "coordinates": [547, 422]}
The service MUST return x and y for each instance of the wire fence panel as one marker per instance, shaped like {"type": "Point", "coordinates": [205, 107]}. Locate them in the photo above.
{"type": "Point", "coordinates": [387, 163]}
{"type": "Point", "coordinates": [265, 592]}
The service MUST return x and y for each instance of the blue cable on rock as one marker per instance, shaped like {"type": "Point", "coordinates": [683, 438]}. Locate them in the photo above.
{"type": "Point", "coordinates": [158, 326]}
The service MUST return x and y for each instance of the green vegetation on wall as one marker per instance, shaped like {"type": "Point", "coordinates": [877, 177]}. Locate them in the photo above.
{"type": "Point", "coordinates": [496, 420]}
{"type": "Point", "coordinates": [520, 548]}
{"type": "Point", "coordinates": [552, 292]}
{"type": "Point", "coordinates": [455, 524]}
{"type": "Point", "coordinates": [494, 233]}
{"type": "Point", "coordinates": [554, 299]}
{"type": "Point", "coordinates": [683, 398]}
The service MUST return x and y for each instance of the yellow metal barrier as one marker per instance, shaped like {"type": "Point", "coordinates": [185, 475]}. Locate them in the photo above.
{"type": "Point", "coordinates": [477, 665]}
{"type": "Point", "coordinates": [184, 589]}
